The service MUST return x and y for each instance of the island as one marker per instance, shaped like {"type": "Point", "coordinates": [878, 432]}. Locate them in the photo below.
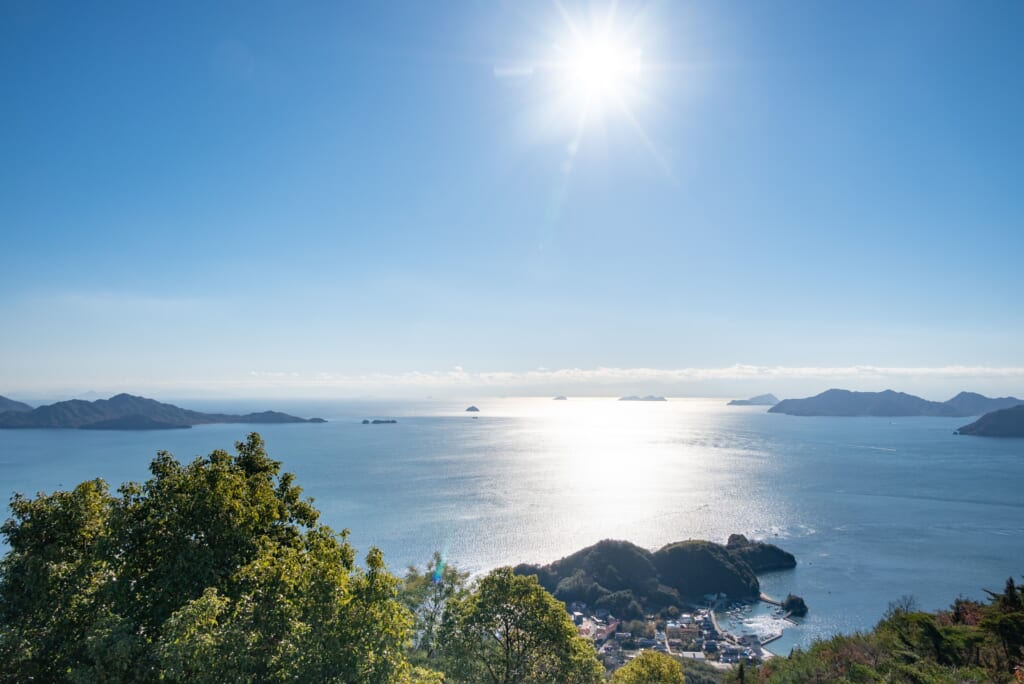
{"type": "Point", "coordinates": [649, 397]}
{"type": "Point", "coordinates": [794, 605]}
{"type": "Point", "coordinates": [378, 421]}
{"type": "Point", "coordinates": [840, 402]}
{"type": "Point", "coordinates": [134, 422]}
{"type": "Point", "coordinates": [12, 405]}
{"type": "Point", "coordinates": [974, 404]}
{"type": "Point", "coordinates": [561, 397]}
{"type": "Point", "coordinates": [759, 400]}
{"type": "Point", "coordinates": [1005, 423]}
{"type": "Point", "coordinates": [473, 409]}
{"type": "Point", "coordinates": [129, 412]}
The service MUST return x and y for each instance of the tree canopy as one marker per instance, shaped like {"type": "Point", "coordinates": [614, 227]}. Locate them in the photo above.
{"type": "Point", "coordinates": [212, 571]}
{"type": "Point", "coordinates": [650, 667]}
{"type": "Point", "coordinates": [427, 594]}
{"type": "Point", "coordinates": [509, 630]}
{"type": "Point", "coordinates": [971, 642]}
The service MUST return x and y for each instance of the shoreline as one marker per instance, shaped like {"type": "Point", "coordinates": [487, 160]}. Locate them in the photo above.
{"type": "Point", "coordinates": [743, 615]}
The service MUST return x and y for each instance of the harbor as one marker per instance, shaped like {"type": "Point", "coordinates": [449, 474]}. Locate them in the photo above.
{"type": "Point", "coordinates": [748, 622]}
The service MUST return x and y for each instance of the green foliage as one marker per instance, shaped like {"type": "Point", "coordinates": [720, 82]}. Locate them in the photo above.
{"type": "Point", "coordinates": [639, 628]}
{"type": "Point", "coordinates": [49, 583]}
{"type": "Point", "coordinates": [510, 630]}
{"type": "Point", "coordinates": [621, 604]}
{"type": "Point", "coordinates": [630, 581]}
{"type": "Point", "coordinates": [695, 568]}
{"type": "Point", "coordinates": [213, 571]}
{"type": "Point", "coordinates": [650, 667]}
{"type": "Point", "coordinates": [970, 643]}
{"type": "Point", "coordinates": [611, 571]}
{"type": "Point", "coordinates": [579, 586]}
{"type": "Point", "coordinates": [427, 595]}
{"type": "Point", "coordinates": [702, 673]}
{"type": "Point", "coordinates": [740, 674]}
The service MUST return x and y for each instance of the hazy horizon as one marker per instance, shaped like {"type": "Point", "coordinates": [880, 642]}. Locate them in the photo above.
{"type": "Point", "coordinates": [941, 385]}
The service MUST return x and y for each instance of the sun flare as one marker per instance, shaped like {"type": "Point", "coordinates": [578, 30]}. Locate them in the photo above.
{"type": "Point", "coordinates": [600, 68]}
{"type": "Point", "coordinates": [596, 78]}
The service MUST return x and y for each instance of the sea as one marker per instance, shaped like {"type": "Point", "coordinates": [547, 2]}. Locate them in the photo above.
{"type": "Point", "coordinates": [875, 509]}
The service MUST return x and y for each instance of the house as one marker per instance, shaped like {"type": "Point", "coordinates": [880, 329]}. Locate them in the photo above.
{"type": "Point", "coordinates": [692, 655]}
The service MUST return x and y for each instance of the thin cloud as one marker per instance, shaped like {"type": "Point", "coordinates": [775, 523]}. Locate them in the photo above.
{"type": "Point", "coordinates": [617, 376]}
{"type": "Point", "coordinates": [732, 380]}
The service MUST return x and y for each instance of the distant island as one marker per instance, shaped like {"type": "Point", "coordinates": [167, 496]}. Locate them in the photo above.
{"type": "Point", "coordinates": [649, 397]}
{"type": "Point", "coordinates": [631, 581]}
{"type": "Point", "coordinates": [128, 412]}
{"type": "Point", "coordinates": [839, 402]}
{"type": "Point", "coordinates": [759, 400]}
{"type": "Point", "coordinates": [473, 409]}
{"type": "Point", "coordinates": [12, 405]}
{"type": "Point", "coordinates": [378, 421]}
{"type": "Point", "coordinates": [974, 404]}
{"type": "Point", "coordinates": [561, 397]}
{"type": "Point", "coordinates": [1004, 423]}
{"type": "Point", "coordinates": [133, 422]}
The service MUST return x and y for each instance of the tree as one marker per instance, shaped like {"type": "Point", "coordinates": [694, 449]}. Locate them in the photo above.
{"type": "Point", "coordinates": [1010, 600]}
{"type": "Point", "coordinates": [212, 571]}
{"type": "Point", "coordinates": [50, 581]}
{"type": "Point", "coordinates": [650, 667]}
{"type": "Point", "coordinates": [509, 629]}
{"type": "Point", "coordinates": [427, 594]}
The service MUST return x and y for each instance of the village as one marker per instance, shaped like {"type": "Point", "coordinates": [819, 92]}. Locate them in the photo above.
{"type": "Point", "coordinates": [694, 635]}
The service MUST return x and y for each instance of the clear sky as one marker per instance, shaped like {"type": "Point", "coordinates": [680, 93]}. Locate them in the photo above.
{"type": "Point", "coordinates": [412, 198]}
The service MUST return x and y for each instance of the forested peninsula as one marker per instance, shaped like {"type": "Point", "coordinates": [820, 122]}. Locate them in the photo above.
{"type": "Point", "coordinates": [631, 581]}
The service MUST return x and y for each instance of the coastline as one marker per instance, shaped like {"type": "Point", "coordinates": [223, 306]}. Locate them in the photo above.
{"type": "Point", "coordinates": [738, 621]}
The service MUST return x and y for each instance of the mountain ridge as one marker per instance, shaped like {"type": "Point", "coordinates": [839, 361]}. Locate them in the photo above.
{"type": "Point", "coordinates": [12, 405]}
{"type": "Point", "coordinates": [889, 403]}
{"type": "Point", "coordinates": [130, 412]}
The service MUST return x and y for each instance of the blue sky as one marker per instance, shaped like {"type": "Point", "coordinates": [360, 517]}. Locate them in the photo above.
{"type": "Point", "coordinates": [400, 198]}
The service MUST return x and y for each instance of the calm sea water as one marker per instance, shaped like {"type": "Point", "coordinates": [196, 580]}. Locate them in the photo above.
{"type": "Point", "coordinates": [874, 509]}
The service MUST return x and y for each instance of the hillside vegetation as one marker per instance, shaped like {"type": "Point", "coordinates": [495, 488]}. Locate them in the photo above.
{"type": "Point", "coordinates": [969, 643]}
{"type": "Point", "coordinates": [630, 581]}
{"type": "Point", "coordinates": [219, 571]}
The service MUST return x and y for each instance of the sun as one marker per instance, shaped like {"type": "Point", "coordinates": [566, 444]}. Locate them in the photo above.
{"type": "Point", "coordinates": [599, 69]}
{"type": "Point", "coordinates": [593, 79]}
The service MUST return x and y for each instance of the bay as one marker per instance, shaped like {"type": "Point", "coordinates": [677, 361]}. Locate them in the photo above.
{"type": "Point", "coordinates": [873, 508]}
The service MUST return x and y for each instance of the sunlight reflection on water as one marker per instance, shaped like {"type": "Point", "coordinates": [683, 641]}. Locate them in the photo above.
{"type": "Point", "coordinates": [872, 508]}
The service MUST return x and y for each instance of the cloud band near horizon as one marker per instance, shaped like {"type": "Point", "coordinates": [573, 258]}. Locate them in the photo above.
{"type": "Point", "coordinates": [616, 376]}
